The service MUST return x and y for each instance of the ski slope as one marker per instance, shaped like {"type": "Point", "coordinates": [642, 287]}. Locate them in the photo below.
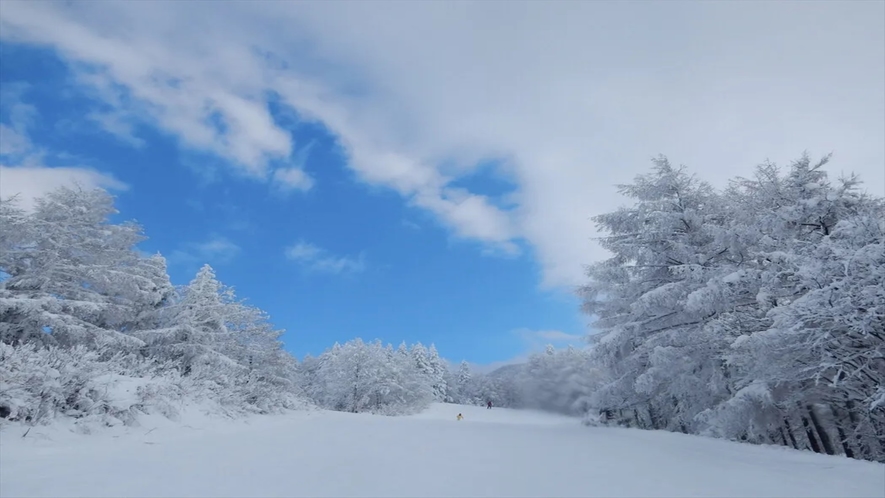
{"type": "Point", "coordinates": [490, 453]}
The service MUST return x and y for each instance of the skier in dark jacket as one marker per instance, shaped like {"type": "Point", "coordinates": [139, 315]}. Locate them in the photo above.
{"type": "Point", "coordinates": [489, 405]}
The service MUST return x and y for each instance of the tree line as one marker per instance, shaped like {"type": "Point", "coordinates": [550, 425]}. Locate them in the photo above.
{"type": "Point", "coordinates": [755, 313]}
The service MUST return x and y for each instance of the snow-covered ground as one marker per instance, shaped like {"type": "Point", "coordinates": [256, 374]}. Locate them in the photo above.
{"type": "Point", "coordinates": [494, 452]}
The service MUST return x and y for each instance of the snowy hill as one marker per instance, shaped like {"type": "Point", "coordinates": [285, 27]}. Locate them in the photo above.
{"type": "Point", "coordinates": [496, 452]}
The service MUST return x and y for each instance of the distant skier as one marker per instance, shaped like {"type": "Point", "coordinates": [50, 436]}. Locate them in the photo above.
{"type": "Point", "coordinates": [460, 416]}
{"type": "Point", "coordinates": [489, 405]}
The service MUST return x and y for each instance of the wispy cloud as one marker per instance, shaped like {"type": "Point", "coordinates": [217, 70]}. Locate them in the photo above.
{"type": "Point", "coordinates": [23, 174]}
{"type": "Point", "coordinates": [118, 125]}
{"type": "Point", "coordinates": [294, 177]}
{"type": "Point", "coordinates": [13, 142]}
{"type": "Point", "coordinates": [557, 336]}
{"type": "Point", "coordinates": [289, 179]}
{"type": "Point", "coordinates": [236, 217]}
{"type": "Point", "coordinates": [30, 182]}
{"type": "Point", "coordinates": [317, 259]}
{"type": "Point", "coordinates": [216, 250]}
{"type": "Point", "coordinates": [411, 225]}
{"type": "Point", "coordinates": [537, 340]}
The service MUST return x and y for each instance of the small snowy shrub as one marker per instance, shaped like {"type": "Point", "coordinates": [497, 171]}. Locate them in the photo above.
{"type": "Point", "coordinates": [39, 384]}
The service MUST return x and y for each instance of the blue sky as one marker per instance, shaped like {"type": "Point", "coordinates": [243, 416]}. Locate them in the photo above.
{"type": "Point", "coordinates": [339, 261]}
{"type": "Point", "coordinates": [420, 171]}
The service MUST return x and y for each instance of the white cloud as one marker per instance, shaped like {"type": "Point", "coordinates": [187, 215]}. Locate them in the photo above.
{"type": "Point", "coordinates": [174, 86]}
{"type": "Point", "coordinates": [117, 125]}
{"type": "Point", "coordinates": [317, 259]}
{"type": "Point", "coordinates": [13, 142]}
{"type": "Point", "coordinates": [22, 172]}
{"type": "Point", "coordinates": [292, 179]}
{"type": "Point", "coordinates": [573, 97]}
{"type": "Point", "coordinates": [556, 336]}
{"type": "Point", "coordinates": [30, 182]}
{"type": "Point", "coordinates": [217, 250]}
{"type": "Point", "coordinates": [536, 341]}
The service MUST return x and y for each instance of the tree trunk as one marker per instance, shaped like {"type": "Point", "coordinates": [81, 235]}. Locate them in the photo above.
{"type": "Point", "coordinates": [878, 430]}
{"type": "Point", "coordinates": [810, 434]}
{"type": "Point", "coordinates": [865, 449]}
{"type": "Point", "coordinates": [838, 422]}
{"type": "Point", "coordinates": [652, 417]}
{"type": "Point", "coordinates": [790, 433]}
{"type": "Point", "coordinates": [783, 436]}
{"type": "Point", "coordinates": [826, 443]}
{"type": "Point", "coordinates": [845, 446]}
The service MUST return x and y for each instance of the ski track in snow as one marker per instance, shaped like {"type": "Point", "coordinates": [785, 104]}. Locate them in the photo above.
{"type": "Point", "coordinates": [491, 453]}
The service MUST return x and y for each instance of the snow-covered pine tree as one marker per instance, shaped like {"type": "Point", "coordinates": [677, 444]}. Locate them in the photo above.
{"type": "Point", "coordinates": [74, 277]}
{"type": "Point", "coordinates": [149, 290]}
{"type": "Point", "coordinates": [652, 337]}
{"type": "Point", "coordinates": [463, 385]}
{"type": "Point", "coordinates": [437, 375]}
{"type": "Point", "coordinates": [194, 334]}
{"type": "Point", "coordinates": [429, 365]}
{"type": "Point", "coordinates": [403, 350]}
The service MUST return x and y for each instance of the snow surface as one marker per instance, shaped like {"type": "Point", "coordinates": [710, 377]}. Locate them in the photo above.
{"type": "Point", "coordinates": [496, 452]}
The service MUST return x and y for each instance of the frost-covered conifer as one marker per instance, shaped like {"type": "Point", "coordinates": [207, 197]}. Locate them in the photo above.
{"type": "Point", "coordinates": [74, 277]}
{"type": "Point", "coordinates": [753, 313]}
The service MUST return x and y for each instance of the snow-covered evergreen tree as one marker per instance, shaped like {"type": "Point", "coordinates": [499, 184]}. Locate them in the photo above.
{"type": "Point", "coordinates": [463, 386]}
{"type": "Point", "coordinates": [651, 300]}
{"type": "Point", "coordinates": [437, 374]}
{"type": "Point", "coordinates": [430, 366]}
{"type": "Point", "coordinates": [752, 313]}
{"type": "Point", "coordinates": [74, 277]}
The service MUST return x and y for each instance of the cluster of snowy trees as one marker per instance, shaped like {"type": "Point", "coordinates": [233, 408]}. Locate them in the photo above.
{"type": "Point", "coordinates": [90, 327]}
{"type": "Point", "coordinates": [754, 313]}
{"type": "Point", "coordinates": [368, 377]}
{"type": "Point", "coordinates": [558, 381]}
{"type": "Point", "coordinates": [475, 388]}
